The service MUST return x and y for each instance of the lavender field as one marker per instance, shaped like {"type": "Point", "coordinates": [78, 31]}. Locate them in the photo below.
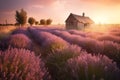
{"type": "Point", "coordinates": [41, 53]}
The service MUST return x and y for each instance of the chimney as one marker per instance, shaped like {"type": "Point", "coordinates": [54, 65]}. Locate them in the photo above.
{"type": "Point", "coordinates": [83, 14]}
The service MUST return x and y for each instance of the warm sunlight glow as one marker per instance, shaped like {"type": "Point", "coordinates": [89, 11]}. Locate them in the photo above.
{"type": "Point", "coordinates": [101, 20]}
{"type": "Point", "coordinates": [100, 11]}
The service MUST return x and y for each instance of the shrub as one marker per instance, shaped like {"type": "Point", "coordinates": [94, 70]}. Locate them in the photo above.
{"type": "Point", "coordinates": [109, 48]}
{"type": "Point", "coordinates": [115, 33]}
{"type": "Point", "coordinates": [56, 61]}
{"type": "Point", "coordinates": [112, 50]}
{"type": "Point", "coordinates": [48, 41]}
{"type": "Point", "coordinates": [20, 41]}
{"type": "Point", "coordinates": [109, 38]}
{"type": "Point", "coordinates": [4, 44]}
{"type": "Point", "coordinates": [36, 22]}
{"type": "Point", "coordinates": [90, 45]}
{"type": "Point", "coordinates": [20, 31]}
{"type": "Point", "coordinates": [42, 21]}
{"type": "Point", "coordinates": [83, 34]}
{"type": "Point", "coordinates": [63, 34]}
{"type": "Point", "coordinates": [31, 21]}
{"type": "Point", "coordinates": [20, 64]}
{"type": "Point", "coordinates": [88, 67]}
{"type": "Point", "coordinates": [48, 21]}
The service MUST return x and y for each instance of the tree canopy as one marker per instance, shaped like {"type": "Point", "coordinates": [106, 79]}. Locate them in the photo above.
{"type": "Point", "coordinates": [42, 21]}
{"type": "Point", "coordinates": [45, 22]}
{"type": "Point", "coordinates": [21, 17]}
{"type": "Point", "coordinates": [31, 21]}
{"type": "Point", "coordinates": [48, 21]}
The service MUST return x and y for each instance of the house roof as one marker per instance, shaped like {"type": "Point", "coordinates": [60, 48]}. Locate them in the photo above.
{"type": "Point", "coordinates": [82, 19]}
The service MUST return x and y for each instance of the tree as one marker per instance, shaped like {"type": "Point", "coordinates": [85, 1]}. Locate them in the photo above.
{"type": "Point", "coordinates": [48, 21]}
{"type": "Point", "coordinates": [21, 17]}
{"type": "Point", "coordinates": [31, 21]}
{"type": "Point", "coordinates": [36, 22]}
{"type": "Point", "coordinates": [42, 22]}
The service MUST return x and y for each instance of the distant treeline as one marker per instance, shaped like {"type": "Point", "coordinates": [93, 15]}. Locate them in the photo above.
{"type": "Point", "coordinates": [22, 19]}
{"type": "Point", "coordinates": [7, 24]}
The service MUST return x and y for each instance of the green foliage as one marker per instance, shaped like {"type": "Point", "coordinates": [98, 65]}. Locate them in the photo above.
{"type": "Point", "coordinates": [21, 17]}
{"type": "Point", "coordinates": [31, 21]}
{"type": "Point", "coordinates": [48, 21]}
{"type": "Point", "coordinates": [42, 22]}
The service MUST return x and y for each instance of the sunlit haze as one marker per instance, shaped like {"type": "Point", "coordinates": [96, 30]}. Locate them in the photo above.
{"type": "Point", "coordinates": [100, 11]}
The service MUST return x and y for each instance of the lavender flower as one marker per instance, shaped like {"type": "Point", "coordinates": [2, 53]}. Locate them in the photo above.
{"type": "Point", "coordinates": [109, 38]}
{"type": "Point", "coordinates": [48, 41]}
{"type": "Point", "coordinates": [109, 48]}
{"type": "Point", "coordinates": [20, 64]}
{"type": "Point", "coordinates": [20, 31]}
{"type": "Point", "coordinates": [88, 67]}
{"type": "Point", "coordinates": [76, 32]}
{"type": "Point", "coordinates": [20, 41]}
{"type": "Point", "coordinates": [56, 61]}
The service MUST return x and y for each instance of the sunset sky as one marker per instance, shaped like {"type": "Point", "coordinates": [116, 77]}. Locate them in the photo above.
{"type": "Point", "coordinates": [100, 11]}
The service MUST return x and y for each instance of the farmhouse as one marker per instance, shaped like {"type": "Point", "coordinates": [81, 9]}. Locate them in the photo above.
{"type": "Point", "coordinates": [78, 22]}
